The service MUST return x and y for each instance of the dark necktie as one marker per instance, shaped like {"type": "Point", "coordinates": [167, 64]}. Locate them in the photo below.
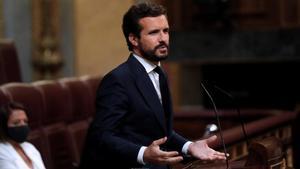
{"type": "Point", "coordinates": [164, 89]}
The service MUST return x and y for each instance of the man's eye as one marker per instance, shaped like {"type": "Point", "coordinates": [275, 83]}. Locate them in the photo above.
{"type": "Point", "coordinates": [153, 32]}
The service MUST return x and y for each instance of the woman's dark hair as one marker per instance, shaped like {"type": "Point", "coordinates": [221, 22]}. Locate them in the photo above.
{"type": "Point", "coordinates": [5, 112]}
{"type": "Point", "coordinates": [137, 12]}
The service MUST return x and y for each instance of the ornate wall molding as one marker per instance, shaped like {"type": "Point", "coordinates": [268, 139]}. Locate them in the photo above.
{"type": "Point", "coordinates": [47, 58]}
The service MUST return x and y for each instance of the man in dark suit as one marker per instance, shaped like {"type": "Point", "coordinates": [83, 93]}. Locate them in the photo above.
{"type": "Point", "coordinates": [132, 127]}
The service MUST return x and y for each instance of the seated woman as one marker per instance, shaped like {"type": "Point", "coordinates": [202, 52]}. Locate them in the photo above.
{"type": "Point", "coordinates": [15, 152]}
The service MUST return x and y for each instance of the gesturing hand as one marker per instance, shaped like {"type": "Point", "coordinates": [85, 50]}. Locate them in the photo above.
{"type": "Point", "coordinates": [154, 155]}
{"type": "Point", "coordinates": [201, 150]}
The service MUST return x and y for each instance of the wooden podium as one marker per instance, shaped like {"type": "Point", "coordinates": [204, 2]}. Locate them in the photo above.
{"type": "Point", "coordinates": [263, 154]}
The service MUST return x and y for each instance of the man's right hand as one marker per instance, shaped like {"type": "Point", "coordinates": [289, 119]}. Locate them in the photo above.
{"type": "Point", "coordinates": [154, 155]}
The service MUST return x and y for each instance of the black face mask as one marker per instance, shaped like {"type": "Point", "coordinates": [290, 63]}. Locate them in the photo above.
{"type": "Point", "coordinates": [19, 133]}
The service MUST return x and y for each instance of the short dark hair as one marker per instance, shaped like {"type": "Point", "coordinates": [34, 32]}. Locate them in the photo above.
{"type": "Point", "coordinates": [5, 112]}
{"type": "Point", "coordinates": [137, 12]}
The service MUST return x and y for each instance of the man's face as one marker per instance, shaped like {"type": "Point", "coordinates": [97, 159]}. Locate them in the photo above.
{"type": "Point", "coordinates": [153, 43]}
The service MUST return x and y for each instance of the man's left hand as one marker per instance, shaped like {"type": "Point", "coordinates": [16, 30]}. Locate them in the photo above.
{"type": "Point", "coordinates": [201, 150]}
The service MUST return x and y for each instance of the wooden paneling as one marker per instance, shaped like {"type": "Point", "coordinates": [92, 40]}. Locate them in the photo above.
{"type": "Point", "coordinates": [290, 13]}
{"type": "Point", "coordinates": [278, 125]}
{"type": "Point", "coordinates": [237, 14]}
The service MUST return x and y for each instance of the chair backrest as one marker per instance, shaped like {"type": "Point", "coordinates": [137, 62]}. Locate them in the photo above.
{"type": "Point", "coordinates": [37, 138]}
{"type": "Point", "coordinates": [58, 105]}
{"type": "Point", "coordinates": [77, 132]}
{"type": "Point", "coordinates": [9, 63]}
{"type": "Point", "coordinates": [30, 97]}
{"type": "Point", "coordinates": [92, 82]}
{"type": "Point", "coordinates": [3, 98]}
{"type": "Point", "coordinates": [59, 146]}
{"type": "Point", "coordinates": [81, 97]}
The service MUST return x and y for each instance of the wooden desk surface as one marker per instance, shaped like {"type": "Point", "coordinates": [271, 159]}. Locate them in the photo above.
{"type": "Point", "coordinates": [217, 165]}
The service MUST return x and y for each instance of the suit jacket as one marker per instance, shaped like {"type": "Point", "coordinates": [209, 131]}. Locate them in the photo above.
{"type": "Point", "coordinates": [128, 115]}
{"type": "Point", "coordinates": [10, 159]}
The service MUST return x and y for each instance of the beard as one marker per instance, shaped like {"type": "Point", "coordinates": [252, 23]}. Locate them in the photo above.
{"type": "Point", "coordinates": [153, 54]}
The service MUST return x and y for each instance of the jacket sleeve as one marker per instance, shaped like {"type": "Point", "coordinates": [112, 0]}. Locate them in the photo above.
{"type": "Point", "coordinates": [111, 109]}
{"type": "Point", "coordinates": [176, 142]}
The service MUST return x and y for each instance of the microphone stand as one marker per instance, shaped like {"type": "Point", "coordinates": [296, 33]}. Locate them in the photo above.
{"type": "Point", "coordinates": [219, 124]}
{"type": "Point", "coordinates": [237, 109]}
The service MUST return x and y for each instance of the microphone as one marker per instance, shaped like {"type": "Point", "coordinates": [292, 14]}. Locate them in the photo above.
{"type": "Point", "coordinates": [219, 124]}
{"type": "Point", "coordinates": [237, 107]}
{"type": "Point", "coordinates": [210, 129]}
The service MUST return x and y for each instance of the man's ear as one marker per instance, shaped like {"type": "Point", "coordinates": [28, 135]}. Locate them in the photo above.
{"type": "Point", "coordinates": [133, 39]}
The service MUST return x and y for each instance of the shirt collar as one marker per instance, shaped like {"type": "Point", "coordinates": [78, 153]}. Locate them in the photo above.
{"type": "Point", "coordinates": [146, 64]}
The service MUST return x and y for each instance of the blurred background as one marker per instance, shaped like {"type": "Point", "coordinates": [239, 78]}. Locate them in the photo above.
{"type": "Point", "coordinates": [246, 52]}
{"type": "Point", "coordinates": [249, 48]}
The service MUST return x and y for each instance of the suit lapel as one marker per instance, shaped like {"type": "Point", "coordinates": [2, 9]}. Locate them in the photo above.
{"type": "Point", "coordinates": [145, 86]}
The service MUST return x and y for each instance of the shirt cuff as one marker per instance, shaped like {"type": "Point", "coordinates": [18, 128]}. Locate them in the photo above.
{"type": "Point", "coordinates": [186, 147]}
{"type": "Point", "coordinates": [140, 157]}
